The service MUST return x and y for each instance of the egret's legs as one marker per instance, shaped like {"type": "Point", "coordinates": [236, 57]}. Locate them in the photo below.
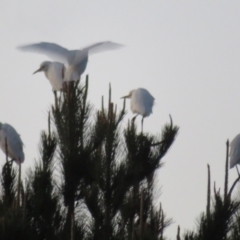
{"type": "Point", "coordinates": [63, 71]}
{"type": "Point", "coordinates": [133, 119]}
{"type": "Point", "coordinates": [19, 185]}
{"type": "Point", "coordinates": [55, 96]}
{"type": "Point", "coordinates": [142, 123]}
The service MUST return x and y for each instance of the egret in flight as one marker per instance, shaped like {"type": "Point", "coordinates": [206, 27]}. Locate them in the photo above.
{"type": "Point", "coordinates": [14, 143]}
{"type": "Point", "coordinates": [235, 151]}
{"type": "Point", "coordinates": [141, 103]}
{"type": "Point", "coordinates": [75, 60]}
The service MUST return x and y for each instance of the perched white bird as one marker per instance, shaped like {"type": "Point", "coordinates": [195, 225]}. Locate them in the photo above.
{"type": "Point", "coordinates": [235, 151]}
{"type": "Point", "coordinates": [141, 102]}
{"type": "Point", "coordinates": [54, 72]}
{"type": "Point", "coordinates": [76, 60]}
{"type": "Point", "coordinates": [14, 143]}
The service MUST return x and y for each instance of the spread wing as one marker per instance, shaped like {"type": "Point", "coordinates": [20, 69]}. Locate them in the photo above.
{"type": "Point", "coordinates": [101, 47]}
{"type": "Point", "coordinates": [51, 50]}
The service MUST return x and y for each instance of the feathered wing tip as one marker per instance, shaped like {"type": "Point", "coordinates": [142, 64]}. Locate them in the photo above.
{"type": "Point", "coordinates": [51, 50]}
{"type": "Point", "coordinates": [28, 47]}
{"type": "Point", "coordinates": [40, 46]}
{"type": "Point", "coordinates": [102, 46]}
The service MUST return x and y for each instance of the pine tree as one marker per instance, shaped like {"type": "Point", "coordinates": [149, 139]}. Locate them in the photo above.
{"type": "Point", "coordinates": [218, 221]}
{"type": "Point", "coordinates": [12, 221]}
{"type": "Point", "coordinates": [42, 207]}
{"type": "Point", "coordinates": [94, 178]}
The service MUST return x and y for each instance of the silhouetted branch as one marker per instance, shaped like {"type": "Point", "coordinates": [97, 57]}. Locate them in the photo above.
{"type": "Point", "coordinates": [226, 172]}
{"type": "Point", "coordinates": [208, 193]}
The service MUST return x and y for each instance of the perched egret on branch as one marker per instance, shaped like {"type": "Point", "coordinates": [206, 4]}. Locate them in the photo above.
{"type": "Point", "coordinates": [235, 151]}
{"type": "Point", "coordinates": [76, 60]}
{"type": "Point", "coordinates": [141, 102]}
{"type": "Point", "coordinates": [54, 72]}
{"type": "Point", "coordinates": [14, 143]}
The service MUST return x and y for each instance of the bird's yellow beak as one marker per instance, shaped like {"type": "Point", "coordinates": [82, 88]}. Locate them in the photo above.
{"type": "Point", "coordinates": [39, 70]}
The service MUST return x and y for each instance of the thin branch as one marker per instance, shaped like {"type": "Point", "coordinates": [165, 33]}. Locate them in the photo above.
{"type": "Point", "coordinates": [226, 172]}
{"type": "Point", "coordinates": [178, 233]}
{"type": "Point", "coordinates": [19, 186]}
{"type": "Point", "coordinates": [6, 149]}
{"type": "Point", "coordinates": [208, 193]}
{"type": "Point", "coordinates": [233, 186]}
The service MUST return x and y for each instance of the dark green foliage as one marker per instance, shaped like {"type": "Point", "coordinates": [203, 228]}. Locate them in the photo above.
{"type": "Point", "coordinates": [99, 194]}
{"type": "Point", "coordinates": [219, 222]}
{"type": "Point", "coordinates": [42, 209]}
{"type": "Point", "coordinates": [143, 220]}
{"type": "Point", "coordinates": [235, 230]}
{"type": "Point", "coordinates": [94, 179]}
{"type": "Point", "coordinates": [71, 113]}
{"type": "Point", "coordinates": [8, 180]}
{"type": "Point", "coordinates": [76, 142]}
{"type": "Point", "coordinates": [116, 177]}
{"type": "Point", "coordinates": [13, 226]}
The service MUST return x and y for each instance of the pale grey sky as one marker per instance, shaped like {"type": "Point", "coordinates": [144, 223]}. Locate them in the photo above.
{"type": "Point", "coordinates": [186, 53]}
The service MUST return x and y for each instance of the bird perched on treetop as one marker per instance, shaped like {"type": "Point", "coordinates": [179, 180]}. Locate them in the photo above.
{"type": "Point", "coordinates": [14, 143]}
{"type": "Point", "coordinates": [54, 72]}
{"type": "Point", "coordinates": [141, 102]}
{"type": "Point", "coordinates": [235, 151]}
{"type": "Point", "coordinates": [76, 60]}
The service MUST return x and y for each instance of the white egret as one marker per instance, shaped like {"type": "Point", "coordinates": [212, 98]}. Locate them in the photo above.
{"type": "Point", "coordinates": [54, 72]}
{"type": "Point", "coordinates": [14, 143]}
{"type": "Point", "coordinates": [76, 60]}
{"type": "Point", "coordinates": [141, 102]}
{"type": "Point", "coordinates": [234, 153]}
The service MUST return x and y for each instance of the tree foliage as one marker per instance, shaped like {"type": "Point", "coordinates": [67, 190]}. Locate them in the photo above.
{"type": "Point", "coordinates": [94, 180]}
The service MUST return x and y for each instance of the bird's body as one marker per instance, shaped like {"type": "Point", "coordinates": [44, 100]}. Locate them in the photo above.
{"type": "Point", "coordinates": [14, 143]}
{"type": "Point", "coordinates": [234, 153]}
{"type": "Point", "coordinates": [54, 72]}
{"type": "Point", "coordinates": [75, 72]}
{"type": "Point", "coordinates": [141, 102]}
{"type": "Point", "coordinates": [76, 60]}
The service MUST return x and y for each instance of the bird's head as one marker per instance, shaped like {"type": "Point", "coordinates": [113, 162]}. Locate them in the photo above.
{"type": "Point", "coordinates": [129, 95]}
{"type": "Point", "coordinates": [43, 67]}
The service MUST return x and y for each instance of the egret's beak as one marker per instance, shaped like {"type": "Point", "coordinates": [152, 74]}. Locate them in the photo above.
{"type": "Point", "coordinates": [39, 70]}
